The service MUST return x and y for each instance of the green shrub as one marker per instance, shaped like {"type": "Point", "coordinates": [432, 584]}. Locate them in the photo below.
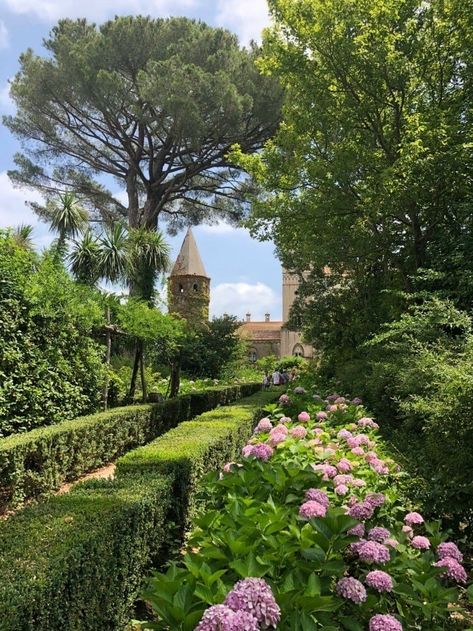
{"type": "Point", "coordinates": [74, 562]}
{"type": "Point", "coordinates": [50, 366]}
{"type": "Point", "coordinates": [41, 460]}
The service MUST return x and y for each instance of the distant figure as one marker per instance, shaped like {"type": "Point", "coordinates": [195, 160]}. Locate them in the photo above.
{"type": "Point", "coordinates": [293, 374]}
{"type": "Point", "coordinates": [266, 381]}
{"type": "Point", "coordinates": [284, 377]}
{"type": "Point", "coordinates": [276, 377]}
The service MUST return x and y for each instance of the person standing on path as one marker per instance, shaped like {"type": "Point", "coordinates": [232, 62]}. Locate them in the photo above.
{"type": "Point", "coordinates": [276, 378]}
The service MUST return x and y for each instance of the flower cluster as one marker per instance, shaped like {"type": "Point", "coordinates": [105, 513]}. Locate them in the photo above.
{"type": "Point", "coordinates": [254, 596]}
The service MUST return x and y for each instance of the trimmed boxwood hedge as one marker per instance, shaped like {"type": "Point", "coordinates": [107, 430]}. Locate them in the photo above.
{"type": "Point", "coordinates": [74, 562]}
{"type": "Point", "coordinates": [40, 461]}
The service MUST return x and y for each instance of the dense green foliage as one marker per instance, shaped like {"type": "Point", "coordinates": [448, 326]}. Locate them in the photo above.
{"type": "Point", "coordinates": [76, 561]}
{"type": "Point", "coordinates": [215, 350]}
{"type": "Point", "coordinates": [262, 519]}
{"type": "Point", "coordinates": [50, 367]}
{"type": "Point", "coordinates": [39, 461]}
{"type": "Point", "coordinates": [366, 190]}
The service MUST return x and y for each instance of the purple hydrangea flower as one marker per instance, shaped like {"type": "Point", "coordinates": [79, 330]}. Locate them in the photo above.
{"type": "Point", "coordinates": [351, 589]}
{"type": "Point", "coordinates": [317, 495]}
{"type": "Point", "coordinates": [311, 509]}
{"type": "Point", "coordinates": [222, 618]}
{"type": "Point", "coordinates": [375, 499]}
{"type": "Point", "coordinates": [357, 531]}
{"type": "Point", "coordinates": [453, 570]}
{"type": "Point", "coordinates": [344, 434]}
{"type": "Point", "coordinates": [379, 534]}
{"type": "Point", "coordinates": [381, 622]}
{"type": "Point", "coordinates": [373, 552]}
{"type": "Point", "coordinates": [413, 519]}
{"type": "Point", "coordinates": [254, 596]}
{"type": "Point", "coordinates": [246, 451]}
{"type": "Point", "coordinates": [361, 510]}
{"type": "Point", "coordinates": [285, 419]}
{"type": "Point", "coordinates": [341, 489]}
{"type": "Point", "coordinates": [343, 478]}
{"type": "Point", "coordinates": [449, 549]}
{"type": "Point", "coordinates": [358, 451]}
{"type": "Point", "coordinates": [356, 401]}
{"type": "Point", "coordinates": [380, 581]}
{"type": "Point", "coordinates": [284, 399]}
{"type": "Point", "coordinates": [304, 417]}
{"type": "Point", "coordinates": [321, 416]}
{"type": "Point", "coordinates": [420, 543]}
{"type": "Point", "coordinates": [327, 470]}
{"type": "Point", "coordinates": [262, 452]}
{"type": "Point", "coordinates": [358, 482]}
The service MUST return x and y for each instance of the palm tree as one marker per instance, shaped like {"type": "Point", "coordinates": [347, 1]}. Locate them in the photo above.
{"type": "Point", "coordinates": [22, 236]}
{"type": "Point", "coordinates": [68, 219]}
{"type": "Point", "coordinates": [135, 256]}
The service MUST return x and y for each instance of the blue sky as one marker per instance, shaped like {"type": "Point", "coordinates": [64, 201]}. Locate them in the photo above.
{"type": "Point", "coordinates": [245, 274]}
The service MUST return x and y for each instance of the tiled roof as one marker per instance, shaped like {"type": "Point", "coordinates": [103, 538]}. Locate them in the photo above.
{"type": "Point", "coordinates": [261, 331]}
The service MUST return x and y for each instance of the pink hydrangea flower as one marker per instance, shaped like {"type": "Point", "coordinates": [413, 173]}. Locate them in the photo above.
{"type": "Point", "coordinates": [420, 543]}
{"type": "Point", "coordinates": [380, 581]}
{"type": "Point", "coordinates": [246, 451]}
{"type": "Point", "coordinates": [351, 589]}
{"type": "Point", "coordinates": [298, 432]}
{"type": "Point", "coordinates": [343, 478]}
{"type": "Point", "coordinates": [370, 456]}
{"type": "Point", "coordinates": [228, 467]}
{"type": "Point", "coordinates": [373, 552]}
{"type": "Point", "coordinates": [368, 422]}
{"type": "Point", "coordinates": [392, 543]}
{"type": "Point", "coordinates": [304, 417]}
{"type": "Point", "coordinates": [357, 482]}
{"type": "Point", "coordinates": [379, 466]}
{"type": "Point", "coordinates": [344, 466]}
{"type": "Point", "coordinates": [332, 408]}
{"type": "Point", "coordinates": [321, 416]}
{"type": "Point", "coordinates": [414, 518]}
{"type": "Point", "coordinates": [344, 434]}
{"type": "Point", "coordinates": [254, 596]}
{"type": "Point", "coordinates": [381, 622]}
{"type": "Point", "coordinates": [317, 495]}
{"type": "Point", "coordinates": [311, 509]}
{"type": "Point", "coordinates": [449, 549]}
{"type": "Point", "coordinates": [285, 419]}
{"type": "Point", "coordinates": [284, 399]}
{"type": "Point", "coordinates": [358, 451]}
{"type": "Point", "coordinates": [378, 534]}
{"type": "Point", "coordinates": [328, 471]}
{"type": "Point", "coordinates": [357, 531]}
{"type": "Point", "coordinates": [263, 426]}
{"type": "Point", "coordinates": [407, 530]}
{"type": "Point", "coordinates": [318, 431]}
{"type": "Point", "coordinates": [341, 489]}
{"type": "Point", "coordinates": [356, 401]}
{"type": "Point", "coordinates": [453, 569]}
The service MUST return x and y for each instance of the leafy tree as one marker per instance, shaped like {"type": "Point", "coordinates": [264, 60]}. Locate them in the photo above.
{"type": "Point", "coordinates": [50, 365]}
{"type": "Point", "coordinates": [214, 350]}
{"type": "Point", "coordinates": [367, 177]}
{"type": "Point", "coordinates": [154, 104]}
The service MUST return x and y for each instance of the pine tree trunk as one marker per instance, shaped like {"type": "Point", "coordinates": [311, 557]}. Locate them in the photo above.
{"type": "Point", "coordinates": [108, 357]}
{"type": "Point", "coordinates": [175, 378]}
{"type": "Point", "coordinates": [143, 378]}
{"type": "Point", "coordinates": [134, 374]}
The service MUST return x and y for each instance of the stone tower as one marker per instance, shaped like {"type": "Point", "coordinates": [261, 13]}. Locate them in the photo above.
{"type": "Point", "coordinates": [189, 285]}
{"type": "Point", "coordinates": [291, 341]}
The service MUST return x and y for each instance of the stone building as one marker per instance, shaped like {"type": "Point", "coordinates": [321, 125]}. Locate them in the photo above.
{"type": "Point", "coordinates": [189, 285]}
{"type": "Point", "coordinates": [189, 296]}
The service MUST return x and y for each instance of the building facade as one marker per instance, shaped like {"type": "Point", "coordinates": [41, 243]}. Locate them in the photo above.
{"type": "Point", "coordinates": [189, 296]}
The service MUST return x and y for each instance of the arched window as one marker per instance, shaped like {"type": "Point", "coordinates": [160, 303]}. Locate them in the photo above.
{"type": "Point", "coordinates": [181, 288]}
{"type": "Point", "coordinates": [298, 350]}
{"type": "Point", "coordinates": [195, 286]}
{"type": "Point", "coordinates": [252, 355]}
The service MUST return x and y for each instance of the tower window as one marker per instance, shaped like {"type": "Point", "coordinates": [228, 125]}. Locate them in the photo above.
{"type": "Point", "coordinates": [195, 287]}
{"type": "Point", "coordinates": [181, 288]}
{"type": "Point", "coordinates": [298, 350]}
{"type": "Point", "coordinates": [252, 355]}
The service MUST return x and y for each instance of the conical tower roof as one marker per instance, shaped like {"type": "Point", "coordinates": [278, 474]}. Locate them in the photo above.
{"type": "Point", "coordinates": [188, 262]}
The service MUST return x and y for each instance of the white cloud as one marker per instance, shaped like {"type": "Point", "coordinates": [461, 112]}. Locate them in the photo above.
{"type": "Point", "coordinates": [246, 17]}
{"type": "Point", "coordinates": [219, 228]}
{"type": "Point", "coordinates": [14, 211]}
{"type": "Point", "coordinates": [6, 103]}
{"type": "Point", "coordinates": [241, 298]}
{"type": "Point", "coordinates": [52, 10]}
{"type": "Point", "coordinates": [3, 35]}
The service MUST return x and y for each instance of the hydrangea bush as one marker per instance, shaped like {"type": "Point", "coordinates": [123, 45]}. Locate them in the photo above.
{"type": "Point", "coordinates": [310, 531]}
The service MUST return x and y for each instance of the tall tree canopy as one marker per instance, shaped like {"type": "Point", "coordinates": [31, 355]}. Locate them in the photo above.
{"type": "Point", "coordinates": [371, 171]}
{"type": "Point", "coordinates": [153, 104]}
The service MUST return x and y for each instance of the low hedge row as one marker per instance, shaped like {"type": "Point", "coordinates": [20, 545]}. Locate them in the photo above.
{"type": "Point", "coordinates": [75, 561]}
{"type": "Point", "coordinates": [39, 461]}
